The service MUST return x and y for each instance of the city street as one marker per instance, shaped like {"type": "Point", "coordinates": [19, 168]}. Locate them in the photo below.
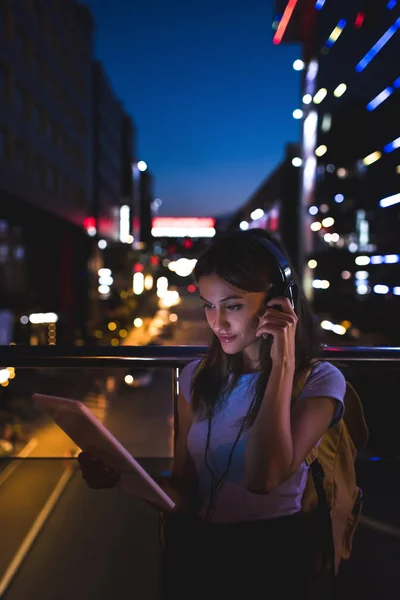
{"type": "Point", "coordinates": [140, 417]}
{"type": "Point", "coordinates": [94, 545]}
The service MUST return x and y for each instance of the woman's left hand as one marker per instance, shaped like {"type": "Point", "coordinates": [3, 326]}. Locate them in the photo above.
{"type": "Point", "coordinates": [281, 323]}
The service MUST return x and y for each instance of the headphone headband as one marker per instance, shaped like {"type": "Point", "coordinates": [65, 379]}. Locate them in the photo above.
{"type": "Point", "coordinates": [282, 263]}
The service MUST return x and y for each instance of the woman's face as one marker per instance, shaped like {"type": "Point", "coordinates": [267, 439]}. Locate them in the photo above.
{"type": "Point", "coordinates": [233, 315]}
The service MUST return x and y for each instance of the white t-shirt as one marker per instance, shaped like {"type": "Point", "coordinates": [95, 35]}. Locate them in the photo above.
{"type": "Point", "coordinates": [234, 503]}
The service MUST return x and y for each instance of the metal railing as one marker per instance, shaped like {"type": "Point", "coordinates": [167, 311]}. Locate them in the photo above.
{"type": "Point", "coordinates": [161, 356]}
{"type": "Point", "coordinates": [360, 365]}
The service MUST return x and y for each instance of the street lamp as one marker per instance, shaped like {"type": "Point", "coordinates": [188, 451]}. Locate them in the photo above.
{"type": "Point", "coordinates": [142, 166]}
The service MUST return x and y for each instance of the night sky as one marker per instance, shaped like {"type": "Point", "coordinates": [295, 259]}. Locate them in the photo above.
{"type": "Point", "coordinates": [210, 94]}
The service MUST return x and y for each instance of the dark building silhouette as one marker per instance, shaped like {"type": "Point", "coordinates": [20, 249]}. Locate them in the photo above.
{"type": "Point", "coordinates": [66, 153]}
{"type": "Point", "coordinates": [274, 206]}
{"type": "Point", "coordinates": [113, 154]}
{"type": "Point", "coordinates": [146, 199]}
{"type": "Point", "coordinates": [350, 201]}
{"type": "Point", "coordinates": [45, 162]}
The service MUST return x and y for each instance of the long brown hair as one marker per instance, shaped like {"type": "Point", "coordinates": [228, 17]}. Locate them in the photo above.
{"type": "Point", "coordinates": [243, 261]}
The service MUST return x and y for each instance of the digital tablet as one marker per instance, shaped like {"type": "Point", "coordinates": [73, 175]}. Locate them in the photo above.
{"type": "Point", "coordinates": [90, 435]}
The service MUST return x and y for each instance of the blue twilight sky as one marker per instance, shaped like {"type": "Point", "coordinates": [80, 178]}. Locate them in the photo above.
{"type": "Point", "coordinates": [210, 94]}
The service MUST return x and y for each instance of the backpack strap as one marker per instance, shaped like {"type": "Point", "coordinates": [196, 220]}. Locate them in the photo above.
{"type": "Point", "coordinates": [298, 385]}
{"type": "Point", "coordinates": [317, 473]}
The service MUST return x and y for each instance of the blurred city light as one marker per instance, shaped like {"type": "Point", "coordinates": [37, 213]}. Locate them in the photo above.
{"type": "Point", "coordinates": [142, 166]}
{"type": "Point", "coordinates": [37, 318]}
{"type": "Point", "coordinates": [138, 283]}
{"type": "Point", "coordinates": [321, 150]}
{"type": "Point", "coordinates": [320, 284]}
{"type": "Point", "coordinates": [340, 90]}
{"type": "Point", "coordinates": [371, 158]}
{"type": "Point", "coordinates": [320, 95]}
{"type": "Point", "coordinates": [298, 65]}
{"type": "Point", "coordinates": [283, 23]}
{"type": "Point", "coordinates": [258, 213]}
{"type": "Point", "coordinates": [104, 289]}
{"type": "Point", "coordinates": [364, 62]}
{"type": "Point", "coordinates": [381, 97]}
{"type": "Point", "coordinates": [148, 282]}
{"type": "Point", "coordinates": [316, 226]}
{"type": "Point", "coordinates": [389, 201]}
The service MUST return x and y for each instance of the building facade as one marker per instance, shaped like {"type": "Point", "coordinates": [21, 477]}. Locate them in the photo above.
{"type": "Point", "coordinates": [45, 165]}
{"type": "Point", "coordinates": [274, 207]}
{"type": "Point", "coordinates": [350, 196]}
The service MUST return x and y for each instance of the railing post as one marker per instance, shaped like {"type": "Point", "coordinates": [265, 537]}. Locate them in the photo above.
{"type": "Point", "coordinates": [175, 394]}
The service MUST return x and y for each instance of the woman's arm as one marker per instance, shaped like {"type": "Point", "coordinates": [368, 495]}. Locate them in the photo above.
{"type": "Point", "coordinates": [183, 480]}
{"type": "Point", "coordinates": [281, 438]}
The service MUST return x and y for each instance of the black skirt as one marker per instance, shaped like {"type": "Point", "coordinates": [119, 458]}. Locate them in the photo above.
{"type": "Point", "coordinates": [250, 559]}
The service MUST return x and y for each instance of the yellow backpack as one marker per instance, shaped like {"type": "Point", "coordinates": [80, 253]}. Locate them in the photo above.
{"type": "Point", "coordinates": [332, 495]}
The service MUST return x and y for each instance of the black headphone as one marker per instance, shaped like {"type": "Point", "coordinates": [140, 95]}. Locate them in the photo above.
{"type": "Point", "coordinates": [286, 288]}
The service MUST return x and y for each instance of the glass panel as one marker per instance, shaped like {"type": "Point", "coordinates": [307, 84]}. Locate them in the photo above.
{"type": "Point", "coordinates": [134, 403]}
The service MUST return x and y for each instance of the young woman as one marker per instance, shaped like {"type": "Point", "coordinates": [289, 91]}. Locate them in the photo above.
{"type": "Point", "coordinates": [239, 468]}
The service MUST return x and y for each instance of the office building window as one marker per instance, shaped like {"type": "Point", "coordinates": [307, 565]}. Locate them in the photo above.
{"type": "Point", "coordinates": [19, 253]}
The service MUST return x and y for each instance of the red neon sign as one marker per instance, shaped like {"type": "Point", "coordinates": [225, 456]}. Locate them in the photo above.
{"type": "Point", "coordinates": [186, 222]}
{"type": "Point", "coordinates": [283, 23]}
{"type": "Point", "coordinates": [359, 19]}
{"type": "Point", "coordinates": [89, 222]}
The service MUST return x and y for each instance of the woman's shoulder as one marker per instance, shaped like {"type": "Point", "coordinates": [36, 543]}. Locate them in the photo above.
{"type": "Point", "coordinates": [186, 377]}
{"type": "Point", "coordinates": [326, 380]}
